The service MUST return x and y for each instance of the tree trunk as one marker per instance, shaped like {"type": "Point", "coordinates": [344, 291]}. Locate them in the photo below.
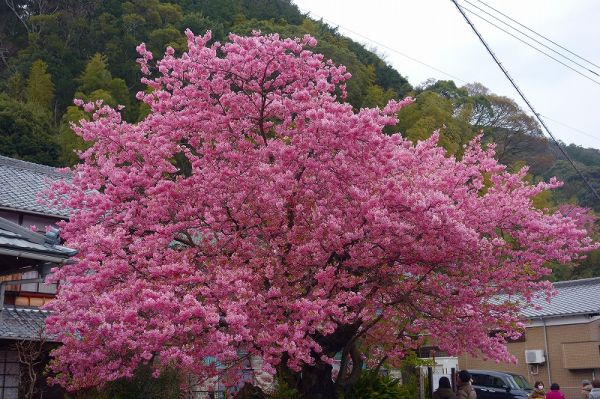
{"type": "Point", "coordinates": [315, 381]}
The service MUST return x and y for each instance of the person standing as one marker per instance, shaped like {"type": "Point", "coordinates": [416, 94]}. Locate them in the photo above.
{"type": "Point", "coordinates": [586, 387]}
{"type": "Point", "coordinates": [595, 392]}
{"type": "Point", "coordinates": [538, 391]}
{"type": "Point", "coordinates": [444, 390]}
{"type": "Point", "coordinates": [555, 392]}
{"type": "Point", "coordinates": [465, 389]}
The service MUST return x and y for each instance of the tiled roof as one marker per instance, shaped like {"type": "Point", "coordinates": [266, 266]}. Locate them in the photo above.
{"type": "Point", "coordinates": [573, 297]}
{"type": "Point", "coordinates": [23, 323]}
{"type": "Point", "coordinates": [21, 182]}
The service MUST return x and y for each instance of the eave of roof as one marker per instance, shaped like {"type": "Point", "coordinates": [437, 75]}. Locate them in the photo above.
{"type": "Point", "coordinates": [18, 241]}
{"type": "Point", "coordinates": [32, 212]}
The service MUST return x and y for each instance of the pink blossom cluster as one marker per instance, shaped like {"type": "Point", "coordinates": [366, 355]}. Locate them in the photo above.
{"type": "Point", "coordinates": [253, 211]}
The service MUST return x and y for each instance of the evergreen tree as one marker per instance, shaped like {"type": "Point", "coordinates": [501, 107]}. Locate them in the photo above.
{"type": "Point", "coordinates": [68, 141]}
{"type": "Point", "coordinates": [97, 83]}
{"type": "Point", "coordinates": [40, 89]}
{"type": "Point", "coordinates": [26, 133]}
{"type": "Point", "coordinates": [15, 87]}
{"type": "Point", "coordinates": [95, 76]}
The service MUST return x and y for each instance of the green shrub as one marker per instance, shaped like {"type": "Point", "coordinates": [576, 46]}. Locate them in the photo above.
{"type": "Point", "coordinates": [284, 391]}
{"type": "Point", "coordinates": [371, 385]}
{"type": "Point", "coordinates": [141, 385]}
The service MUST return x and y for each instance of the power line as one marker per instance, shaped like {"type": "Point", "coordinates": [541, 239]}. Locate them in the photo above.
{"type": "Point", "coordinates": [333, 23]}
{"type": "Point", "coordinates": [389, 48]}
{"type": "Point", "coordinates": [531, 38]}
{"type": "Point", "coordinates": [539, 34]}
{"type": "Point", "coordinates": [514, 84]}
{"type": "Point", "coordinates": [570, 127]}
{"type": "Point", "coordinates": [529, 44]}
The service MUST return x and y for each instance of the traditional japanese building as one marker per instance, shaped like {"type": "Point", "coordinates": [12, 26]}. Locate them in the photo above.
{"type": "Point", "coordinates": [26, 257]}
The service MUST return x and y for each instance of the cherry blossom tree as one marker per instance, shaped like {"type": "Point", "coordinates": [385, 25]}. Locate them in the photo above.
{"type": "Point", "coordinates": [254, 213]}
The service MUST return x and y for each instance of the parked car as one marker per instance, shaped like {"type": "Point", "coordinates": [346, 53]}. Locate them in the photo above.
{"type": "Point", "coordinates": [499, 385]}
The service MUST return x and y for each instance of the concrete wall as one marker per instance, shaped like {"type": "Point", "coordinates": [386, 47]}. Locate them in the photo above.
{"type": "Point", "coordinates": [587, 330]}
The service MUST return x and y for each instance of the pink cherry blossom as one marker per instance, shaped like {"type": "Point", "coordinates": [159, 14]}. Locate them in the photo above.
{"type": "Point", "coordinates": [252, 213]}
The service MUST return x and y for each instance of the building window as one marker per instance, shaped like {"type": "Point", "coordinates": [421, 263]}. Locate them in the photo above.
{"type": "Point", "coordinates": [9, 374]}
{"type": "Point", "coordinates": [37, 287]}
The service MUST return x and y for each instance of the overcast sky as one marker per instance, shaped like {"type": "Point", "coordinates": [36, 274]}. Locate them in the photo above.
{"type": "Point", "coordinates": [434, 32]}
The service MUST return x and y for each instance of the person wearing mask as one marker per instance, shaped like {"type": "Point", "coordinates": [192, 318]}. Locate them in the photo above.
{"type": "Point", "coordinates": [595, 392]}
{"type": "Point", "coordinates": [465, 389]}
{"type": "Point", "coordinates": [444, 390]}
{"type": "Point", "coordinates": [586, 387]}
{"type": "Point", "coordinates": [555, 392]}
{"type": "Point", "coordinates": [538, 391]}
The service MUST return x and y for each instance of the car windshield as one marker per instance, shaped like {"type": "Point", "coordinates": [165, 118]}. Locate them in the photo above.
{"type": "Point", "coordinates": [519, 382]}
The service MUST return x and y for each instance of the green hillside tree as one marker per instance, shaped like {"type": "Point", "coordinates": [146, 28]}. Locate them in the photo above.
{"type": "Point", "coordinates": [26, 133]}
{"type": "Point", "coordinates": [431, 112]}
{"type": "Point", "coordinates": [95, 83]}
{"type": "Point", "coordinates": [40, 89]}
{"type": "Point", "coordinates": [15, 87]}
{"type": "Point", "coordinates": [68, 142]}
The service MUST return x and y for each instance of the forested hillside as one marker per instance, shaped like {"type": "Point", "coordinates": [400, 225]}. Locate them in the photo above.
{"type": "Point", "coordinates": [52, 51]}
